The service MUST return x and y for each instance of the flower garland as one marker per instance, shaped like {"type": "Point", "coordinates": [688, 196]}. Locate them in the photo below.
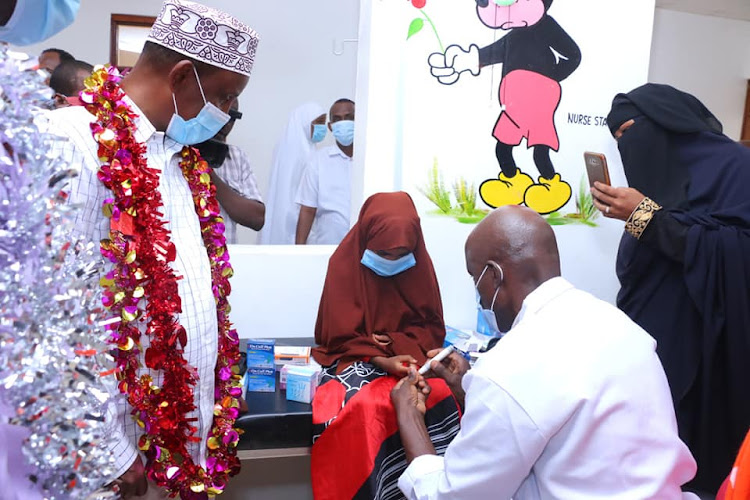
{"type": "Point", "coordinates": [142, 288]}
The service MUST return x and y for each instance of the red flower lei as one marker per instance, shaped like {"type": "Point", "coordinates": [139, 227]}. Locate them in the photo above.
{"type": "Point", "coordinates": [142, 288]}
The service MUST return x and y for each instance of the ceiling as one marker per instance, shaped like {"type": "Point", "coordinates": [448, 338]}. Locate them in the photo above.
{"type": "Point", "coordinates": [732, 9]}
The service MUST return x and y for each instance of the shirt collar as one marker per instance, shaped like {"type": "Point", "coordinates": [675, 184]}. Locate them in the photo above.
{"type": "Point", "coordinates": [144, 129]}
{"type": "Point", "coordinates": [541, 296]}
{"type": "Point", "coordinates": [336, 150]}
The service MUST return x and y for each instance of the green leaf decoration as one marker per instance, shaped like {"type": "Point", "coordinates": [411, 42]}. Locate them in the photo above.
{"type": "Point", "coordinates": [466, 196]}
{"type": "Point", "coordinates": [415, 27]}
{"type": "Point", "coordinates": [435, 190]}
{"type": "Point", "coordinates": [585, 214]}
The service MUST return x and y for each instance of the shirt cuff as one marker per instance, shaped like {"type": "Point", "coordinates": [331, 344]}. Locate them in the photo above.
{"type": "Point", "coordinates": [416, 481]}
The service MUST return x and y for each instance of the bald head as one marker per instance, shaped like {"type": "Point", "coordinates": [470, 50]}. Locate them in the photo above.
{"type": "Point", "coordinates": [519, 250]}
{"type": "Point", "coordinates": [516, 236]}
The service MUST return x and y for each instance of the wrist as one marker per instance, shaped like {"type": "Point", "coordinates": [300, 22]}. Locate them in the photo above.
{"type": "Point", "coordinates": [473, 57]}
{"type": "Point", "coordinates": [408, 416]}
{"type": "Point", "coordinates": [414, 435]}
{"type": "Point", "coordinates": [641, 216]}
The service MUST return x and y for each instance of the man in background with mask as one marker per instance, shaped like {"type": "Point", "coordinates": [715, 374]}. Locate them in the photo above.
{"type": "Point", "coordinates": [195, 63]}
{"type": "Point", "coordinates": [324, 194]}
{"type": "Point", "coordinates": [571, 403]}
{"type": "Point", "coordinates": [68, 81]}
{"type": "Point", "coordinates": [236, 187]}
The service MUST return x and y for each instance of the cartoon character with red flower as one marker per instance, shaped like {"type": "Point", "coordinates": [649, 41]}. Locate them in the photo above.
{"type": "Point", "coordinates": [536, 54]}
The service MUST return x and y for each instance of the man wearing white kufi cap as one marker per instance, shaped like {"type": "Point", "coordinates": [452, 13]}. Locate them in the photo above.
{"type": "Point", "coordinates": [206, 34]}
{"type": "Point", "coordinates": [147, 197]}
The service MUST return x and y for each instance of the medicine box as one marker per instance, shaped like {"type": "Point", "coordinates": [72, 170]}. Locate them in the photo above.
{"type": "Point", "coordinates": [301, 383]}
{"type": "Point", "coordinates": [456, 337]}
{"type": "Point", "coordinates": [282, 376]}
{"type": "Point", "coordinates": [465, 340]}
{"type": "Point", "coordinates": [260, 380]}
{"type": "Point", "coordinates": [291, 355]}
{"type": "Point", "coordinates": [260, 353]}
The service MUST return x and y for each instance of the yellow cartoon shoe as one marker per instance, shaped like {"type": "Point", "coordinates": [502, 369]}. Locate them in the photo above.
{"type": "Point", "coordinates": [505, 190]}
{"type": "Point", "coordinates": [548, 196]}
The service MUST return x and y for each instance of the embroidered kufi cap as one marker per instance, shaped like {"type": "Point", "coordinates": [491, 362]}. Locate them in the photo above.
{"type": "Point", "coordinates": [206, 34]}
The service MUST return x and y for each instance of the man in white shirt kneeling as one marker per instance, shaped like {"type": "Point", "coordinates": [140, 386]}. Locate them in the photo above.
{"type": "Point", "coordinates": [572, 403]}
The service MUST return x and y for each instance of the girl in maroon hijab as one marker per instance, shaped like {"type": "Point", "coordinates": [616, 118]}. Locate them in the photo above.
{"type": "Point", "coordinates": [380, 313]}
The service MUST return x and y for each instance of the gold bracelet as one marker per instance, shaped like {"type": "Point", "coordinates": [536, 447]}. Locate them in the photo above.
{"type": "Point", "coordinates": [641, 216]}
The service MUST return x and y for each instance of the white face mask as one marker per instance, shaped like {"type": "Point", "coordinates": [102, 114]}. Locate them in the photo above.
{"type": "Point", "coordinates": [36, 20]}
{"type": "Point", "coordinates": [203, 127]}
{"type": "Point", "coordinates": [486, 319]}
{"type": "Point", "coordinates": [343, 131]}
{"type": "Point", "coordinates": [385, 267]}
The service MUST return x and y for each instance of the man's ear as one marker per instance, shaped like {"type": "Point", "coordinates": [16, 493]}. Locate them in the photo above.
{"type": "Point", "coordinates": [61, 101]}
{"type": "Point", "coordinates": [180, 74]}
{"type": "Point", "coordinates": [497, 273]}
{"type": "Point", "coordinates": [329, 127]}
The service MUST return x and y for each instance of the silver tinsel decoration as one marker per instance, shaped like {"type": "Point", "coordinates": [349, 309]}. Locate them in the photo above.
{"type": "Point", "coordinates": [53, 348]}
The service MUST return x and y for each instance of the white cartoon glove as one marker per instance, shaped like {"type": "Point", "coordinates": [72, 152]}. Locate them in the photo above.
{"type": "Point", "coordinates": [449, 66]}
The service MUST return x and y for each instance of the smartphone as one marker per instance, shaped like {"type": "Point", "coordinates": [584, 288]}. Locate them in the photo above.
{"type": "Point", "coordinates": [596, 168]}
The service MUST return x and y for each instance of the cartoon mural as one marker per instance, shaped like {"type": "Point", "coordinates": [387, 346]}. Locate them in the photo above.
{"type": "Point", "coordinates": [436, 141]}
{"type": "Point", "coordinates": [536, 55]}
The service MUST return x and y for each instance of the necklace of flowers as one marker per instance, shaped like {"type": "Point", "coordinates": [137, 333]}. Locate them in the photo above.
{"type": "Point", "coordinates": [141, 288]}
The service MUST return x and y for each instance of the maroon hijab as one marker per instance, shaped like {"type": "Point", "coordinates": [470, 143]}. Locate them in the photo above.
{"type": "Point", "coordinates": [357, 303]}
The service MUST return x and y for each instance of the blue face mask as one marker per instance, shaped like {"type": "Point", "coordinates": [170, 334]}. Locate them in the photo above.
{"type": "Point", "coordinates": [201, 128]}
{"type": "Point", "coordinates": [319, 132]}
{"type": "Point", "coordinates": [343, 131]}
{"type": "Point", "coordinates": [36, 20]}
{"type": "Point", "coordinates": [486, 319]}
{"type": "Point", "coordinates": [387, 268]}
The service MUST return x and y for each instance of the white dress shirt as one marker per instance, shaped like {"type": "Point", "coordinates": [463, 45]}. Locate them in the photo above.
{"type": "Point", "coordinates": [198, 315]}
{"type": "Point", "coordinates": [572, 403]}
{"type": "Point", "coordinates": [238, 174]}
{"type": "Point", "coordinates": [326, 185]}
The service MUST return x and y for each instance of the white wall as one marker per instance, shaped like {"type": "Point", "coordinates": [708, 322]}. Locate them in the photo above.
{"type": "Point", "coordinates": [276, 290]}
{"type": "Point", "coordinates": [295, 61]}
{"type": "Point", "coordinates": [705, 56]}
{"type": "Point", "coordinates": [88, 37]}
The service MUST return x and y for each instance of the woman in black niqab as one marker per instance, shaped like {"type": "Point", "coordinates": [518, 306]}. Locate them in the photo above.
{"type": "Point", "coordinates": [686, 278]}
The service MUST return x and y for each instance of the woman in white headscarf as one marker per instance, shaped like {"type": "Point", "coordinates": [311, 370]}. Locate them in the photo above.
{"type": "Point", "coordinates": [306, 126]}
